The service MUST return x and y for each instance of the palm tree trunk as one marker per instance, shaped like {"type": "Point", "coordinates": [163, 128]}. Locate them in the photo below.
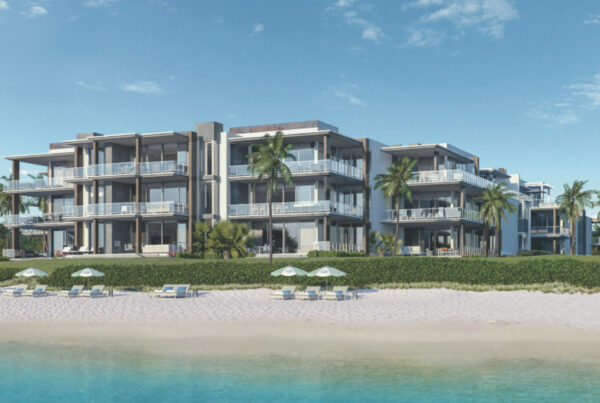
{"type": "Point", "coordinates": [573, 232]}
{"type": "Point", "coordinates": [497, 233]}
{"type": "Point", "coordinates": [500, 238]}
{"type": "Point", "coordinates": [271, 223]}
{"type": "Point", "coordinates": [486, 239]}
{"type": "Point", "coordinates": [397, 227]}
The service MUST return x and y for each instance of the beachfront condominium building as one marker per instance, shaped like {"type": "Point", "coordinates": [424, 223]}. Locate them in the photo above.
{"type": "Point", "coordinates": [141, 194]}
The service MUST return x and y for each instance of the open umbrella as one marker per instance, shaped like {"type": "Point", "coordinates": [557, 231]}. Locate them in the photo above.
{"type": "Point", "coordinates": [289, 271]}
{"type": "Point", "coordinates": [326, 271]}
{"type": "Point", "coordinates": [31, 272]}
{"type": "Point", "coordinates": [87, 272]}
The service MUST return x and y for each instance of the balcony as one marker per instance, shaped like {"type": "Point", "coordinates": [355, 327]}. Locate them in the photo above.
{"type": "Point", "coordinates": [38, 185]}
{"type": "Point", "coordinates": [432, 215]}
{"type": "Point", "coordinates": [346, 247]}
{"type": "Point", "coordinates": [450, 176]}
{"type": "Point", "coordinates": [40, 221]}
{"type": "Point", "coordinates": [554, 232]}
{"type": "Point", "coordinates": [544, 204]}
{"type": "Point", "coordinates": [308, 167]}
{"type": "Point", "coordinates": [163, 208]}
{"type": "Point", "coordinates": [128, 169]}
{"type": "Point", "coordinates": [324, 207]}
{"type": "Point", "coordinates": [126, 210]}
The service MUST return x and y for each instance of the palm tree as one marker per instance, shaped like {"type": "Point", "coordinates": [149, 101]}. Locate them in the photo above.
{"type": "Point", "coordinates": [230, 239]}
{"type": "Point", "coordinates": [573, 202]}
{"type": "Point", "coordinates": [394, 186]}
{"type": "Point", "coordinates": [495, 207]}
{"type": "Point", "coordinates": [201, 233]}
{"type": "Point", "coordinates": [6, 203]}
{"type": "Point", "coordinates": [267, 162]}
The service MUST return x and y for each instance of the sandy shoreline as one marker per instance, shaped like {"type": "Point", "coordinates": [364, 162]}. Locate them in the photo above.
{"type": "Point", "coordinates": [386, 323]}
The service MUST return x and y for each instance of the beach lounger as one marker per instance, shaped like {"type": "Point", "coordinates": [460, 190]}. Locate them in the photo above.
{"type": "Point", "coordinates": [310, 294]}
{"type": "Point", "coordinates": [337, 294]}
{"type": "Point", "coordinates": [15, 291]}
{"type": "Point", "coordinates": [38, 291]}
{"type": "Point", "coordinates": [96, 291]}
{"type": "Point", "coordinates": [84, 250]}
{"type": "Point", "coordinates": [173, 291]}
{"type": "Point", "coordinates": [73, 292]}
{"type": "Point", "coordinates": [285, 293]}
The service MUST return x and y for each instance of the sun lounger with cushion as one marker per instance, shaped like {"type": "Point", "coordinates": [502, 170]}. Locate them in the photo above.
{"type": "Point", "coordinates": [285, 293]}
{"type": "Point", "coordinates": [337, 294]}
{"type": "Point", "coordinates": [15, 291]}
{"type": "Point", "coordinates": [96, 291]}
{"type": "Point", "coordinates": [73, 292]}
{"type": "Point", "coordinates": [311, 293]}
{"type": "Point", "coordinates": [38, 291]}
{"type": "Point", "coordinates": [173, 291]}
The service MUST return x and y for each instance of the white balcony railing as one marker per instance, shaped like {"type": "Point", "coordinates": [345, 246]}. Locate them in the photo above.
{"type": "Point", "coordinates": [162, 167]}
{"type": "Point", "coordinates": [545, 204]}
{"type": "Point", "coordinates": [550, 231]}
{"type": "Point", "coordinates": [37, 220]}
{"type": "Point", "coordinates": [450, 175]}
{"type": "Point", "coordinates": [111, 209]}
{"type": "Point", "coordinates": [339, 246]}
{"type": "Point", "coordinates": [291, 208]}
{"type": "Point", "coordinates": [128, 169]}
{"type": "Point", "coordinates": [168, 207]}
{"type": "Point", "coordinates": [37, 184]}
{"type": "Point", "coordinates": [296, 167]}
{"type": "Point", "coordinates": [432, 214]}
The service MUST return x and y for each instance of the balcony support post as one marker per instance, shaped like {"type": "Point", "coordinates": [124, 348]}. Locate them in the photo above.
{"type": "Point", "coordinates": [78, 198]}
{"type": "Point", "coordinates": [326, 229]}
{"type": "Point", "coordinates": [16, 203]}
{"type": "Point", "coordinates": [95, 236]}
{"type": "Point", "coordinates": [461, 240]}
{"type": "Point", "coordinates": [192, 190]}
{"type": "Point", "coordinates": [463, 197]}
{"type": "Point", "coordinates": [554, 242]}
{"type": "Point", "coordinates": [138, 235]}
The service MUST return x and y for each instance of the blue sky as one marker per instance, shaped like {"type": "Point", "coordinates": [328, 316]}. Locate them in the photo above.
{"type": "Point", "coordinates": [515, 82]}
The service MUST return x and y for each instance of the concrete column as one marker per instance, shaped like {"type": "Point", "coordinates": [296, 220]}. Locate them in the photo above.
{"type": "Point", "coordinates": [95, 236]}
{"type": "Point", "coordinates": [192, 183]}
{"type": "Point", "coordinates": [463, 198]}
{"type": "Point", "coordinates": [462, 237]}
{"type": "Point", "coordinates": [325, 147]}
{"type": "Point", "coordinates": [138, 235]}
{"type": "Point", "coordinates": [16, 202]}
{"type": "Point", "coordinates": [554, 225]}
{"type": "Point", "coordinates": [325, 229]}
{"type": "Point", "coordinates": [78, 197]}
{"type": "Point", "coordinates": [366, 196]}
{"type": "Point", "coordinates": [476, 161]}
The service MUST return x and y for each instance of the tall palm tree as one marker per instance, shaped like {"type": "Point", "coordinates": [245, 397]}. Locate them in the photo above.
{"type": "Point", "coordinates": [394, 186]}
{"type": "Point", "coordinates": [495, 207]}
{"type": "Point", "coordinates": [572, 202]}
{"type": "Point", "coordinates": [267, 162]}
{"type": "Point", "coordinates": [6, 203]}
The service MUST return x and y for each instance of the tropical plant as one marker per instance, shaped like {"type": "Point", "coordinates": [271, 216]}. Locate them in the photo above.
{"type": "Point", "coordinates": [495, 207]}
{"type": "Point", "coordinates": [573, 202]}
{"type": "Point", "coordinates": [200, 235]}
{"type": "Point", "coordinates": [267, 162]}
{"type": "Point", "coordinates": [373, 242]}
{"type": "Point", "coordinates": [394, 186]}
{"type": "Point", "coordinates": [6, 203]}
{"type": "Point", "coordinates": [389, 244]}
{"type": "Point", "coordinates": [230, 239]}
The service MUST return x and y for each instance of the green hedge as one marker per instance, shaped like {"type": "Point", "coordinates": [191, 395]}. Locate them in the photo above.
{"type": "Point", "coordinates": [361, 271]}
{"type": "Point", "coordinates": [534, 252]}
{"type": "Point", "coordinates": [334, 253]}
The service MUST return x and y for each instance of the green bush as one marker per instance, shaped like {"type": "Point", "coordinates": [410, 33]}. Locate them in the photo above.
{"type": "Point", "coordinates": [360, 271]}
{"type": "Point", "coordinates": [534, 252]}
{"type": "Point", "coordinates": [4, 259]}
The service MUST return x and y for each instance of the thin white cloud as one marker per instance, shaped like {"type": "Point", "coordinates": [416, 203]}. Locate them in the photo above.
{"type": "Point", "coordinates": [346, 92]}
{"type": "Point", "coordinates": [97, 86]}
{"type": "Point", "coordinates": [143, 87]}
{"type": "Point", "coordinates": [423, 37]}
{"type": "Point", "coordinates": [37, 11]}
{"type": "Point", "coordinates": [98, 3]}
{"type": "Point", "coordinates": [593, 19]}
{"type": "Point", "coordinates": [489, 17]}
{"type": "Point", "coordinates": [554, 115]}
{"type": "Point", "coordinates": [590, 91]}
{"type": "Point", "coordinates": [4, 5]}
{"type": "Point", "coordinates": [257, 29]}
{"type": "Point", "coordinates": [348, 9]}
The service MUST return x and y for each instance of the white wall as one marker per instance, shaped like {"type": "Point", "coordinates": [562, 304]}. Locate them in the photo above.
{"type": "Point", "coordinates": [379, 162]}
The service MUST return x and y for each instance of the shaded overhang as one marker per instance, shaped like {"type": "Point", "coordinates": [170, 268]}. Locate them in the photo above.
{"type": "Point", "coordinates": [426, 150]}
{"type": "Point", "coordinates": [129, 139]}
{"type": "Point", "coordinates": [335, 139]}
{"type": "Point", "coordinates": [44, 158]}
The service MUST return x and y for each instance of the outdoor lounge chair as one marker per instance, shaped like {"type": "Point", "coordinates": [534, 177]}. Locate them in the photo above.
{"type": "Point", "coordinates": [67, 250]}
{"type": "Point", "coordinates": [96, 291]}
{"type": "Point", "coordinates": [73, 292]}
{"type": "Point", "coordinates": [84, 250]}
{"type": "Point", "coordinates": [286, 292]}
{"type": "Point", "coordinates": [337, 294]}
{"type": "Point", "coordinates": [15, 291]}
{"type": "Point", "coordinates": [38, 291]}
{"type": "Point", "coordinates": [173, 291]}
{"type": "Point", "coordinates": [311, 293]}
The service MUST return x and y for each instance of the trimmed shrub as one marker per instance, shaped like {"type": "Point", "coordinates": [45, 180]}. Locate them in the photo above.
{"type": "Point", "coordinates": [360, 272]}
{"type": "Point", "coordinates": [534, 252]}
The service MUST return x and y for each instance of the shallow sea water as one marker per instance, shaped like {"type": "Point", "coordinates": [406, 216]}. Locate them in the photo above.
{"type": "Point", "coordinates": [30, 373]}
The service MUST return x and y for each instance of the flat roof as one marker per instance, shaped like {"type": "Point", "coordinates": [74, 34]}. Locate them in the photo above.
{"type": "Point", "coordinates": [541, 185]}
{"type": "Point", "coordinates": [126, 138]}
{"type": "Point", "coordinates": [335, 138]}
{"type": "Point", "coordinates": [426, 150]}
{"type": "Point", "coordinates": [495, 171]}
{"type": "Point", "coordinates": [307, 124]}
{"type": "Point", "coordinates": [65, 154]}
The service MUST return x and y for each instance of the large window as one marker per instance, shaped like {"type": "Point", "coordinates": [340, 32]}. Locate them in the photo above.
{"type": "Point", "coordinates": [166, 233]}
{"type": "Point", "coordinates": [208, 198]}
{"type": "Point", "coordinates": [209, 159]}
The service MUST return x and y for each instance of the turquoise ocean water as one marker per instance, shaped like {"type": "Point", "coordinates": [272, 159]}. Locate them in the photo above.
{"type": "Point", "coordinates": [76, 374]}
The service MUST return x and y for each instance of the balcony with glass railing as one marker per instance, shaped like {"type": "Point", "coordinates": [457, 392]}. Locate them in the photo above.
{"type": "Point", "coordinates": [550, 231]}
{"type": "Point", "coordinates": [163, 208]}
{"type": "Point", "coordinates": [37, 185]}
{"type": "Point", "coordinates": [129, 169]}
{"type": "Point", "coordinates": [125, 209]}
{"type": "Point", "coordinates": [449, 176]}
{"type": "Point", "coordinates": [323, 207]}
{"type": "Point", "coordinates": [432, 214]}
{"type": "Point", "coordinates": [307, 167]}
{"type": "Point", "coordinates": [37, 221]}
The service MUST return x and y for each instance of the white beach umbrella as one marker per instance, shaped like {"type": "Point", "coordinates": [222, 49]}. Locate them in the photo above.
{"type": "Point", "coordinates": [326, 272]}
{"type": "Point", "coordinates": [88, 272]}
{"type": "Point", "coordinates": [289, 271]}
{"type": "Point", "coordinates": [31, 272]}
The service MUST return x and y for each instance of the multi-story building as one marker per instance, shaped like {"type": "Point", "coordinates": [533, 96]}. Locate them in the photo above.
{"type": "Point", "coordinates": [141, 193]}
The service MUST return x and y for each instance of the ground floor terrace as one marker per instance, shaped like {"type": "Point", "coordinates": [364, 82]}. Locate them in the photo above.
{"type": "Point", "coordinates": [446, 240]}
